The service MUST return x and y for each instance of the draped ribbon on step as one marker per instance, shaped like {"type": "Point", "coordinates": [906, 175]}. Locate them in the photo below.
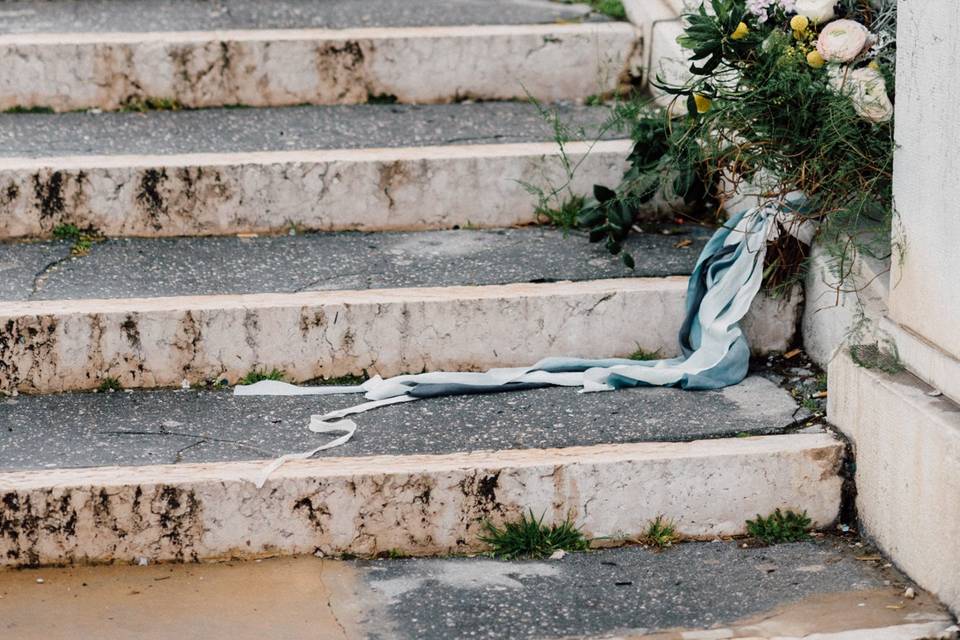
{"type": "Point", "coordinates": [714, 350]}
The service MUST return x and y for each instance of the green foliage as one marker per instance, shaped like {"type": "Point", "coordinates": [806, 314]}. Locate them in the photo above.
{"type": "Point", "coordinates": [142, 105]}
{"type": "Point", "coordinates": [661, 533]}
{"type": "Point", "coordinates": [528, 537]}
{"type": "Point", "coordinates": [611, 8]}
{"type": "Point", "coordinates": [257, 376]}
{"type": "Point", "coordinates": [780, 527]}
{"type": "Point", "coordinates": [643, 354]}
{"type": "Point", "coordinates": [563, 215]}
{"type": "Point", "coordinates": [82, 240]}
{"type": "Point", "coordinates": [759, 116]}
{"type": "Point", "coordinates": [109, 384]}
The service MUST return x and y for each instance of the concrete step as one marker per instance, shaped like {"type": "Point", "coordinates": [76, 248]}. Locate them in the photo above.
{"type": "Point", "coordinates": [169, 475]}
{"type": "Point", "coordinates": [699, 591]}
{"type": "Point", "coordinates": [107, 55]}
{"type": "Point", "coordinates": [223, 171]}
{"type": "Point", "coordinates": [155, 313]}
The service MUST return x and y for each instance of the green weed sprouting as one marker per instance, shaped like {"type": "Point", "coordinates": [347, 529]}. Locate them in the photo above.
{"type": "Point", "coordinates": [528, 537]}
{"type": "Point", "coordinates": [780, 527]}
{"type": "Point", "coordinates": [258, 376]}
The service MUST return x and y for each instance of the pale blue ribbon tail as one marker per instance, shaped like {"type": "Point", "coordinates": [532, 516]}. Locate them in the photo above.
{"type": "Point", "coordinates": [715, 353]}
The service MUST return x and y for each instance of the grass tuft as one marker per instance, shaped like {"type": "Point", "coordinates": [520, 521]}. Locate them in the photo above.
{"type": "Point", "coordinates": [258, 376]}
{"type": "Point", "coordinates": [82, 241]}
{"type": "Point", "coordinates": [643, 354]}
{"type": "Point", "coordinates": [528, 537]}
{"type": "Point", "coordinates": [661, 533]}
{"type": "Point", "coordinates": [780, 527]}
{"type": "Point", "coordinates": [563, 216]}
{"type": "Point", "coordinates": [142, 105]}
{"type": "Point", "coordinates": [109, 384]}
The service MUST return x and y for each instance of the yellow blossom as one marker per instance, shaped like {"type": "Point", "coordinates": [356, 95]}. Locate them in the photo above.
{"type": "Point", "coordinates": [740, 33]}
{"type": "Point", "coordinates": [874, 65]}
{"type": "Point", "coordinates": [799, 24]}
{"type": "Point", "coordinates": [703, 103]}
{"type": "Point", "coordinates": [815, 60]}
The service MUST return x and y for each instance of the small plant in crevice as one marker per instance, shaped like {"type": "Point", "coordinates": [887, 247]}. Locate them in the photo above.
{"type": "Point", "coordinates": [780, 526]}
{"type": "Point", "coordinates": [142, 105]}
{"type": "Point", "coordinates": [562, 215]}
{"type": "Point", "coordinates": [83, 240]}
{"type": "Point", "coordinates": [661, 533]}
{"type": "Point", "coordinates": [109, 384]}
{"type": "Point", "coordinates": [528, 537]}
{"type": "Point", "coordinates": [610, 8]}
{"type": "Point", "coordinates": [259, 376]}
{"type": "Point", "coordinates": [642, 354]}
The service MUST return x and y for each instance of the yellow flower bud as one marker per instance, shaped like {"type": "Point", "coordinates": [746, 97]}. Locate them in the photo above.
{"type": "Point", "coordinates": [703, 103]}
{"type": "Point", "coordinates": [799, 23]}
{"type": "Point", "coordinates": [815, 60]}
{"type": "Point", "coordinates": [874, 65]}
{"type": "Point", "coordinates": [740, 33]}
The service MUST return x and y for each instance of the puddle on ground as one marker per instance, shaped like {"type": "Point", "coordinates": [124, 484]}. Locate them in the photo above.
{"type": "Point", "coordinates": [283, 598]}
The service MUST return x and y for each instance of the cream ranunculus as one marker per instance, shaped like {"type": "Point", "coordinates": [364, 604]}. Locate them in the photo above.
{"type": "Point", "coordinates": [842, 40]}
{"type": "Point", "coordinates": [818, 11]}
{"type": "Point", "coordinates": [867, 90]}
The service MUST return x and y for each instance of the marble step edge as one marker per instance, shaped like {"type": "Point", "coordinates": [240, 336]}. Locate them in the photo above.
{"type": "Point", "coordinates": [62, 345]}
{"type": "Point", "coordinates": [417, 505]}
{"type": "Point", "coordinates": [406, 188]}
{"type": "Point", "coordinates": [316, 66]}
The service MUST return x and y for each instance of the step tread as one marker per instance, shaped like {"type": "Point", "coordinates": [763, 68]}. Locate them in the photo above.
{"type": "Point", "coordinates": [71, 16]}
{"type": "Point", "coordinates": [136, 267]}
{"type": "Point", "coordinates": [76, 430]}
{"type": "Point", "coordinates": [786, 590]}
{"type": "Point", "coordinates": [286, 128]}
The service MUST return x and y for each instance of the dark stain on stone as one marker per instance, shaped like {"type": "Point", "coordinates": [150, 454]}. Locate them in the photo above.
{"type": "Point", "coordinates": [314, 513]}
{"type": "Point", "coordinates": [130, 330]}
{"type": "Point", "coordinates": [49, 194]}
{"type": "Point", "coordinates": [148, 194]}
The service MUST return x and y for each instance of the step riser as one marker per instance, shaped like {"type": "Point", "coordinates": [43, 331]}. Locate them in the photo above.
{"type": "Point", "coordinates": [276, 68]}
{"type": "Point", "coordinates": [370, 189]}
{"type": "Point", "coordinates": [417, 504]}
{"type": "Point", "coordinates": [58, 346]}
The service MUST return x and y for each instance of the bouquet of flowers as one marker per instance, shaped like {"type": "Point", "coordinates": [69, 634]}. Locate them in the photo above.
{"type": "Point", "coordinates": [785, 96]}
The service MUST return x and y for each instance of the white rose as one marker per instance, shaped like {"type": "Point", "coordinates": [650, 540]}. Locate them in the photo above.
{"type": "Point", "coordinates": [867, 90]}
{"type": "Point", "coordinates": [843, 40]}
{"type": "Point", "coordinates": [818, 11]}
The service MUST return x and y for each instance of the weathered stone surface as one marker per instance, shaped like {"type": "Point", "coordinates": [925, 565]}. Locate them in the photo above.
{"type": "Point", "coordinates": [907, 446]}
{"type": "Point", "coordinates": [412, 504]}
{"type": "Point", "coordinates": [66, 71]}
{"type": "Point", "coordinates": [48, 346]}
{"type": "Point", "coordinates": [172, 426]}
{"type": "Point", "coordinates": [837, 313]}
{"type": "Point", "coordinates": [38, 16]}
{"type": "Point", "coordinates": [301, 128]}
{"type": "Point", "coordinates": [364, 189]}
{"type": "Point", "coordinates": [164, 267]}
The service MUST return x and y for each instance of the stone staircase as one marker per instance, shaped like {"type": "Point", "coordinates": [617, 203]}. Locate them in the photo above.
{"type": "Point", "coordinates": [375, 228]}
{"type": "Point", "coordinates": [335, 190]}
